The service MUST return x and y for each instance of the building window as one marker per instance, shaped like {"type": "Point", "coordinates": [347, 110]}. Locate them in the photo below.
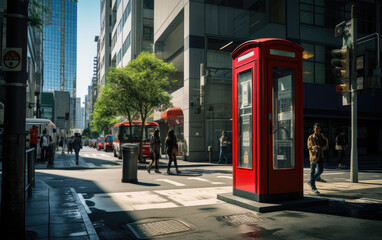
{"type": "Point", "coordinates": [316, 64]}
{"type": "Point", "coordinates": [325, 13]}
{"type": "Point", "coordinates": [148, 33]}
{"type": "Point", "coordinates": [277, 11]}
{"type": "Point", "coordinates": [148, 4]}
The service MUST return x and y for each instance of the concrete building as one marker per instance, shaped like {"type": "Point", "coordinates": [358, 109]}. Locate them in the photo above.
{"type": "Point", "coordinates": [62, 107]}
{"type": "Point", "coordinates": [78, 117]}
{"type": "Point", "coordinates": [104, 46]}
{"type": "Point", "coordinates": [189, 33]}
{"type": "Point", "coordinates": [132, 30]}
{"type": "Point", "coordinates": [87, 108]}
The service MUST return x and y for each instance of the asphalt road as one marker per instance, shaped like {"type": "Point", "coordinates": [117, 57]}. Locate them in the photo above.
{"type": "Point", "coordinates": [186, 203]}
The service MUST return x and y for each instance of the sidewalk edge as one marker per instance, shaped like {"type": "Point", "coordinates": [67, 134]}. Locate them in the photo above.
{"type": "Point", "coordinates": [88, 224]}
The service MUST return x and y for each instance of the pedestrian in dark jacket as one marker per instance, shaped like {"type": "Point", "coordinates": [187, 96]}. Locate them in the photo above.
{"type": "Point", "coordinates": [172, 149]}
{"type": "Point", "coordinates": [340, 147]}
{"type": "Point", "coordinates": [77, 145]}
{"type": "Point", "coordinates": [154, 151]}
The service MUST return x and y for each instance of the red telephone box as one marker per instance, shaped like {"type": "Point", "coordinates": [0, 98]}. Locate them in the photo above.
{"type": "Point", "coordinates": [267, 129]}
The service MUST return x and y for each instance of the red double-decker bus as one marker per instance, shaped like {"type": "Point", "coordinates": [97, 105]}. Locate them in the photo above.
{"type": "Point", "coordinates": [121, 132]}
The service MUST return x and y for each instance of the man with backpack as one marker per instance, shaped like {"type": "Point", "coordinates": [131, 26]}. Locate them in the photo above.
{"type": "Point", "coordinates": [77, 145]}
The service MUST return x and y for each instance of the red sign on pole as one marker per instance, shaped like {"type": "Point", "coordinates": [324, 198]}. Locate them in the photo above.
{"type": "Point", "coordinates": [11, 60]}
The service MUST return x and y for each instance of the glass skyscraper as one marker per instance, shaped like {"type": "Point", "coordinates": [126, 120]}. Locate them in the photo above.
{"type": "Point", "coordinates": [60, 46]}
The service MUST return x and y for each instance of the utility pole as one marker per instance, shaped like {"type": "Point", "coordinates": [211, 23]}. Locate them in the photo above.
{"type": "Point", "coordinates": [13, 178]}
{"type": "Point", "coordinates": [354, 116]}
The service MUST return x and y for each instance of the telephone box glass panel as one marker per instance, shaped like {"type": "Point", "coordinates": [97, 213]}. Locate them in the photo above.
{"type": "Point", "coordinates": [283, 120]}
{"type": "Point", "coordinates": [244, 101]}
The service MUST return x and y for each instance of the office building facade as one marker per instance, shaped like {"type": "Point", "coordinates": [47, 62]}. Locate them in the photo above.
{"type": "Point", "coordinates": [194, 32]}
{"type": "Point", "coordinates": [60, 46]}
{"type": "Point", "coordinates": [132, 30]}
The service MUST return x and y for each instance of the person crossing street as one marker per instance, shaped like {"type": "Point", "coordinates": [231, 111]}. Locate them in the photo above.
{"type": "Point", "coordinates": [317, 143]}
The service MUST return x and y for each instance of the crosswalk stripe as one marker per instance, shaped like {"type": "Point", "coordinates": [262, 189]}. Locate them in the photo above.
{"type": "Point", "coordinates": [198, 179]}
{"type": "Point", "coordinates": [204, 180]}
{"type": "Point", "coordinates": [171, 182]}
{"type": "Point", "coordinates": [229, 177]}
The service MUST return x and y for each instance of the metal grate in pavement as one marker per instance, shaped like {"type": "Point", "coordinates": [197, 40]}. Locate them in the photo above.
{"type": "Point", "coordinates": [239, 219]}
{"type": "Point", "coordinates": [158, 228]}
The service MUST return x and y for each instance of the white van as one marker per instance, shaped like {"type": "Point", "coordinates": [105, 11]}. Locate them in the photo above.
{"type": "Point", "coordinates": [41, 125]}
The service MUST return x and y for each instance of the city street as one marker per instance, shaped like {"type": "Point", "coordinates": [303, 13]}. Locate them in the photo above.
{"type": "Point", "coordinates": [172, 206]}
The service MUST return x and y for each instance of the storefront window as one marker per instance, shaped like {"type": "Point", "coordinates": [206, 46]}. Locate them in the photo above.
{"type": "Point", "coordinates": [283, 120]}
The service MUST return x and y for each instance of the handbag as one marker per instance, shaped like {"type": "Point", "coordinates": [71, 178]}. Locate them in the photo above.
{"type": "Point", "coordinates": [174, 151]}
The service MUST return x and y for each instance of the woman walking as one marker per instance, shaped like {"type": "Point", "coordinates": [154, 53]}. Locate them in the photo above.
{"type": "Point", "coordinates": [154, 149]}
{"type": "Point", "coordinates": [172, 149]}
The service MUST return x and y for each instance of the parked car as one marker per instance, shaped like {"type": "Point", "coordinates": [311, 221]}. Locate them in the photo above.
{"type": "Point", "coordinates": [108, 142]}
{"type": "Point", "coordinates": [100, 143]}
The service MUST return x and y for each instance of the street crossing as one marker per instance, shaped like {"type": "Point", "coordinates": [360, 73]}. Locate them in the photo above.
{"type": "Point", "coordinates": [144, 200]}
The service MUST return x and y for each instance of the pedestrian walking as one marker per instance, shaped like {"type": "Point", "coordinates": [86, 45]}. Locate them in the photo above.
{"type": "Point", "coordinates": [154, 151]}
{"type": "Point", "coordinates": [317, 143]}
{"type": "Point", "coordinates": [77, 145]}
{"type": "Point", "coordinates": [44, 143]}
{"type": "Point", "coordinates": [172, 150]}
{"type": "Point", "coordinates": [70, 145]}
{"type": "Point", "coordinates": [340, 147]}
{"type": "Point", "coordinates": [223, 147]}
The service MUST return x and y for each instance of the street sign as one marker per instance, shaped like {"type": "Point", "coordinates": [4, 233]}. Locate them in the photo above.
{"type": "Point", "coordinates": [11, 60]}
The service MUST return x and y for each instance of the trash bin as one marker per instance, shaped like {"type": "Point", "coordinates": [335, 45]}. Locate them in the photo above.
{"type": "Point", "coordinates": [130, 158]}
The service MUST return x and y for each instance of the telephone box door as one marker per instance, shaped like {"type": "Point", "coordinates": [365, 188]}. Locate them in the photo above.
{"type": "Point", "coordinates": [283, 93]}
{"type": "Point", "coordinates": [245, 119]}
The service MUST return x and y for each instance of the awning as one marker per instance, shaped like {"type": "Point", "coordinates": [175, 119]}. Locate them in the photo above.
{"type": "Point", "coordinates": [174, 112]}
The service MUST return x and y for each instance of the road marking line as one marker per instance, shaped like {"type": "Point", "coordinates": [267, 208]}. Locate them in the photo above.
{"type": "Point", "coordinates": [204, 180]}
{"type": "Point", "coordinates": [333, 173]}
{"type": "Point", "coordinates": [87, 209]}
{"type": "Point", "coordinates": [229, 177]}
{"type": "Point", "coordinates": [171, 182]}
{"type": "Point", "coordinates": [198, 179]}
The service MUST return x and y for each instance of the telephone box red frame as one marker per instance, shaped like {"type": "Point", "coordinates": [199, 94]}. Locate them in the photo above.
{"type": "Point", "coordinates": [262, 182]}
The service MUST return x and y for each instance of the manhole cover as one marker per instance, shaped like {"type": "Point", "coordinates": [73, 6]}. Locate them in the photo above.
{"type": "Point", "coordinates": [157, 228]}
{"type": "Point", "coordinates": [239, 219]}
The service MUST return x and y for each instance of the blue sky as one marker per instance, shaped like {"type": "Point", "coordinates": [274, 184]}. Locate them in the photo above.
{"type": "Point", "coordinates": [88, 26]}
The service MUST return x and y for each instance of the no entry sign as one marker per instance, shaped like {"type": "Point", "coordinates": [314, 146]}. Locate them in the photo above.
{"type": "Point", "coordinates": [11, 60]}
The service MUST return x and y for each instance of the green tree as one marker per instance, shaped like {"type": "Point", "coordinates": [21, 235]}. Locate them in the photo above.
{"type": "Point", "coordinates": [147, 84]}
{"type": "Point", "coordinates": [121, 98]}
{"type": "Point", "coordinates": [103, 116]}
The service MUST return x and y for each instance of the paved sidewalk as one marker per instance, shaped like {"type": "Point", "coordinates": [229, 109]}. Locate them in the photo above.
{"type": "Point", "coordinates": [56, 214]}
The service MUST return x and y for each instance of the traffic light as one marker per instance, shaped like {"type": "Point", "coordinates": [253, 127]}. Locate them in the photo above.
{"type": "Point", "coordinates": [341, 62]}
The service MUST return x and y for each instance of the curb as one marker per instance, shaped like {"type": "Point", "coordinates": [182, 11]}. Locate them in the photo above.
{"type": "Point", "coordinates": [88, 224]}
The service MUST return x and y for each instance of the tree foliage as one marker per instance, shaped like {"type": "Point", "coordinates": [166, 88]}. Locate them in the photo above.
{"type": "Point", "coordinates": [142, 86]}
{"type": "Point", "coordinates": [103, 116]}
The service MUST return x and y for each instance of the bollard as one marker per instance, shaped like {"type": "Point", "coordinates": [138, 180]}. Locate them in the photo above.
{"type": "Point", "coordinates": [130, 158]}
{"type": "Point", "coordinates": [210, 154]}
